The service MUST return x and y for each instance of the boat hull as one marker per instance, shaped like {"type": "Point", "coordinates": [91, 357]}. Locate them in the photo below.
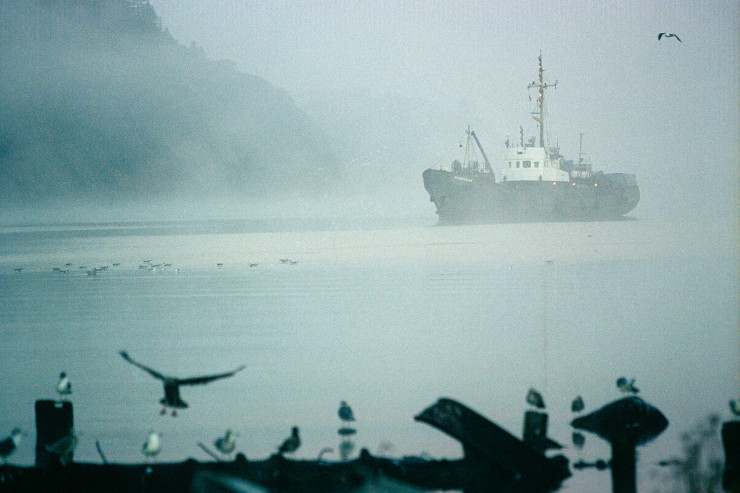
{"type": "Point", "coordinates": [477, 197]}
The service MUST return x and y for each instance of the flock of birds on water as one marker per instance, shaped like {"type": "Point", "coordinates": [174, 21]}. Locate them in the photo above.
{"type": "Point", "coordinates": [147, 265]}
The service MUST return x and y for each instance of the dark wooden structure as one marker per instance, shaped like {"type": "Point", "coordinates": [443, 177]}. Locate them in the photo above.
{"type": "Point", "coordinates": [494, 461]}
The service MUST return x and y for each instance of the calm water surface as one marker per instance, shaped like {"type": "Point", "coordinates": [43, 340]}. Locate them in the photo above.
{"type": "Point", "coordinates": [389, 318]}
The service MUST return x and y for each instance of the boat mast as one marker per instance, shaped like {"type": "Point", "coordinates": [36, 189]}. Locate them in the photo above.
{"type": "Point", "coordinates": [539, 117]}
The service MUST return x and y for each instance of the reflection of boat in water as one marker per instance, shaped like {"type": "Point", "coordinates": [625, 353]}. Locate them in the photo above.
{"type": "Point", "coordinates": [536, 183]}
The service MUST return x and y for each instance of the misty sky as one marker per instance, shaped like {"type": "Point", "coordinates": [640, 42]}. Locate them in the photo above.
{"type": "Point", "coordinates": [665, 110]}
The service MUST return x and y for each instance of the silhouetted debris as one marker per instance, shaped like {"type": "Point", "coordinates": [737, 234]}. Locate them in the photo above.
{"type": "Point", "coordinates": [501, 457]}
{"type": "Point", "coordinates": [600, 464]}
{"type": "Point", "coordinates": [625, 424]}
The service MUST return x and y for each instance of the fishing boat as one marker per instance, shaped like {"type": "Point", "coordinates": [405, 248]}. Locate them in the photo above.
{"type": "Point", "coordinates": [535, 182]}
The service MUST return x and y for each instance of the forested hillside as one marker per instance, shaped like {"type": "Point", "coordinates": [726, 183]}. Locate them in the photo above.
{"type": "Point", "coordinates": [97, 101]}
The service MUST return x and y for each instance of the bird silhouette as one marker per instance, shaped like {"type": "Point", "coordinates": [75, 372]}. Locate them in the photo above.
{"type": "Point", "coordinates": [291, 443]}
{"type": "Point", "coordinates": [64, 447]}
{"type": "Point", "coordinates": [627, 386]}
{"type": "Point", "coordinates": [535, 399]}
{"type": "Point", "coordinates": [668, 35]}
{"type": "Point", "coordinates": [735, 408]}
{"type": "Point", "coordinates": [64, 386]}
{"type": "Point", "coordinates": [345, 412]}
{"type": "Point", "coordinates": [153, 444]}
{"type": "Point", "coordinates": [578, 439]}
{"type": "Point", "coordinates": [577, 405]}
{"type": "Point", "coordinates": [9, 444]}
{"type": "Point", "coordinates": [227, 443]}
{"type": "Point", "coordinates": [172, 384]}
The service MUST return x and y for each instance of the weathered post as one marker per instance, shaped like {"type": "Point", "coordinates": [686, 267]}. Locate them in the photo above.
{"type": "Point", "coordinates": [731, 444]}
{"type": "Point", "coordinates": [54, 420]}
{"type": "Point", "coordinates": [625, 424]}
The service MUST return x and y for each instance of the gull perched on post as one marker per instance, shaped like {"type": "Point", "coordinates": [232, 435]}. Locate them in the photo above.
{"type": "Point", "coordinates": [291, 443]}
{"type": "Point", "coordinates": [64, 386]}
{"type": "Point", "coordinates": [227, 443]}
{"type": "Point", "coordinates": [153, 444]}
{"type": "Point", "coordinates": [8, 445]}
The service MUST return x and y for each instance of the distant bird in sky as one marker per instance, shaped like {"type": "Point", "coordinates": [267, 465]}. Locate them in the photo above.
{"type": "Point", "coordinates": [345, 412]}
{"type": "Point", "coordinates": [153, 444]}
{"type": "Point", "coordinates": [535, 399]}
{"type": "Point", "coordinates": [668, 35]}
{"type": "Point", "coordinates": [577, 405]}
{"type": "Point", "coordinates": [291, 443]}
{"type": "Point", "coordinates": [735, 408]}
{"type": "Point", "coordinates": [172, 384]}
{"type": "Point", "coordinates": [627, 386]}
{"type": "Point", "coordinates": [227, 443]}
{"type": "Point", "coordinates": [9, 444]}
{"type": "Point", "coordinates": [64, 386]}
{"type": "Point", "coordinates": [64, 447]}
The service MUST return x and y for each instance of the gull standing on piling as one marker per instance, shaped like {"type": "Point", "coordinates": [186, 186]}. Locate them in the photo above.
{"type": "Point", "coordinates": [535, 399]}
{"type": "Point", "coordinates": [153, 444]}
{"type": "Point", "coordinates": [64, 386]}
{"type": "Point", "coordinates": [227, 443]}
{"type": "Point", "coordinates": [627, 386]}
{"type": "Point", "coordinates": [291, 443]}
{"type": "Point", "coordinates": [8, 445]}
{"type": "Point", "coordinates": [345, 412]}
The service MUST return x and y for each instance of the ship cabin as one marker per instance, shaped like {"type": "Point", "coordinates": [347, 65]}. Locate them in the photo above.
{"type": "Point", "coordinates": [529, 163]}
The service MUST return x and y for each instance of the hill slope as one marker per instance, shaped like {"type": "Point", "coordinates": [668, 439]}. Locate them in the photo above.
{"type": "Point", "coordinates": [96, 101]}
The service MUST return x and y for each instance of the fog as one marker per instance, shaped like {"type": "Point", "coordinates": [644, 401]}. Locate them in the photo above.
{"type": "Point", "coordinates": [301, 129]}
{"type": "Point", "coordinates": [664, 110]}
{"type": "Point", "coordinates": [337, 109]}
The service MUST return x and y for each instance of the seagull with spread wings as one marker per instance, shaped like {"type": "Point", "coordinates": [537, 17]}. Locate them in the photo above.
{"type": "Point", "coordinates": [172, 384]}
{"type": "Point", "coordinates": [668, 35]}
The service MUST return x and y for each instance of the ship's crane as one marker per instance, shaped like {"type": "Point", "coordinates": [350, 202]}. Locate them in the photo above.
{"type": "Point", "coordinates": [483, 153]}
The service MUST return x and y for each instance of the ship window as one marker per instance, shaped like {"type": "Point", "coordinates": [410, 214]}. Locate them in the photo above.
{"type": "Point", "coordinates": [527, 164]}
{"type": "Point", "coordinates": [517, 164]}
{"type": "Point", "coordinates": [536, 164]}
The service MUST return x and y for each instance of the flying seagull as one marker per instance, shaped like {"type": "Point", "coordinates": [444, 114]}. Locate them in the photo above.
{"type": "Point", "coordinates": [291, 443]}
{"type": "Point", "coordinates": [172, 384]}
{"type": "Point", "coordinates": [668, 35]}
{"type": "Point", "coordinates": [535, 399]}
{"type": "Point", "coordinates": [8, 445]}
{"type": "Point", "coordinates": [64, 386]}
{"type": "Point", "coordinates": [345, 412]}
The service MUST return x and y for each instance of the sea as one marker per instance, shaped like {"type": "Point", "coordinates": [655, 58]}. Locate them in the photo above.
{"type": "Point", "coordinates": [388, 315]}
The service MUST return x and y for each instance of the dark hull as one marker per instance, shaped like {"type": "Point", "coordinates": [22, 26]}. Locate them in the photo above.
{"type": "Point", "coordinates": [476, 197]}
